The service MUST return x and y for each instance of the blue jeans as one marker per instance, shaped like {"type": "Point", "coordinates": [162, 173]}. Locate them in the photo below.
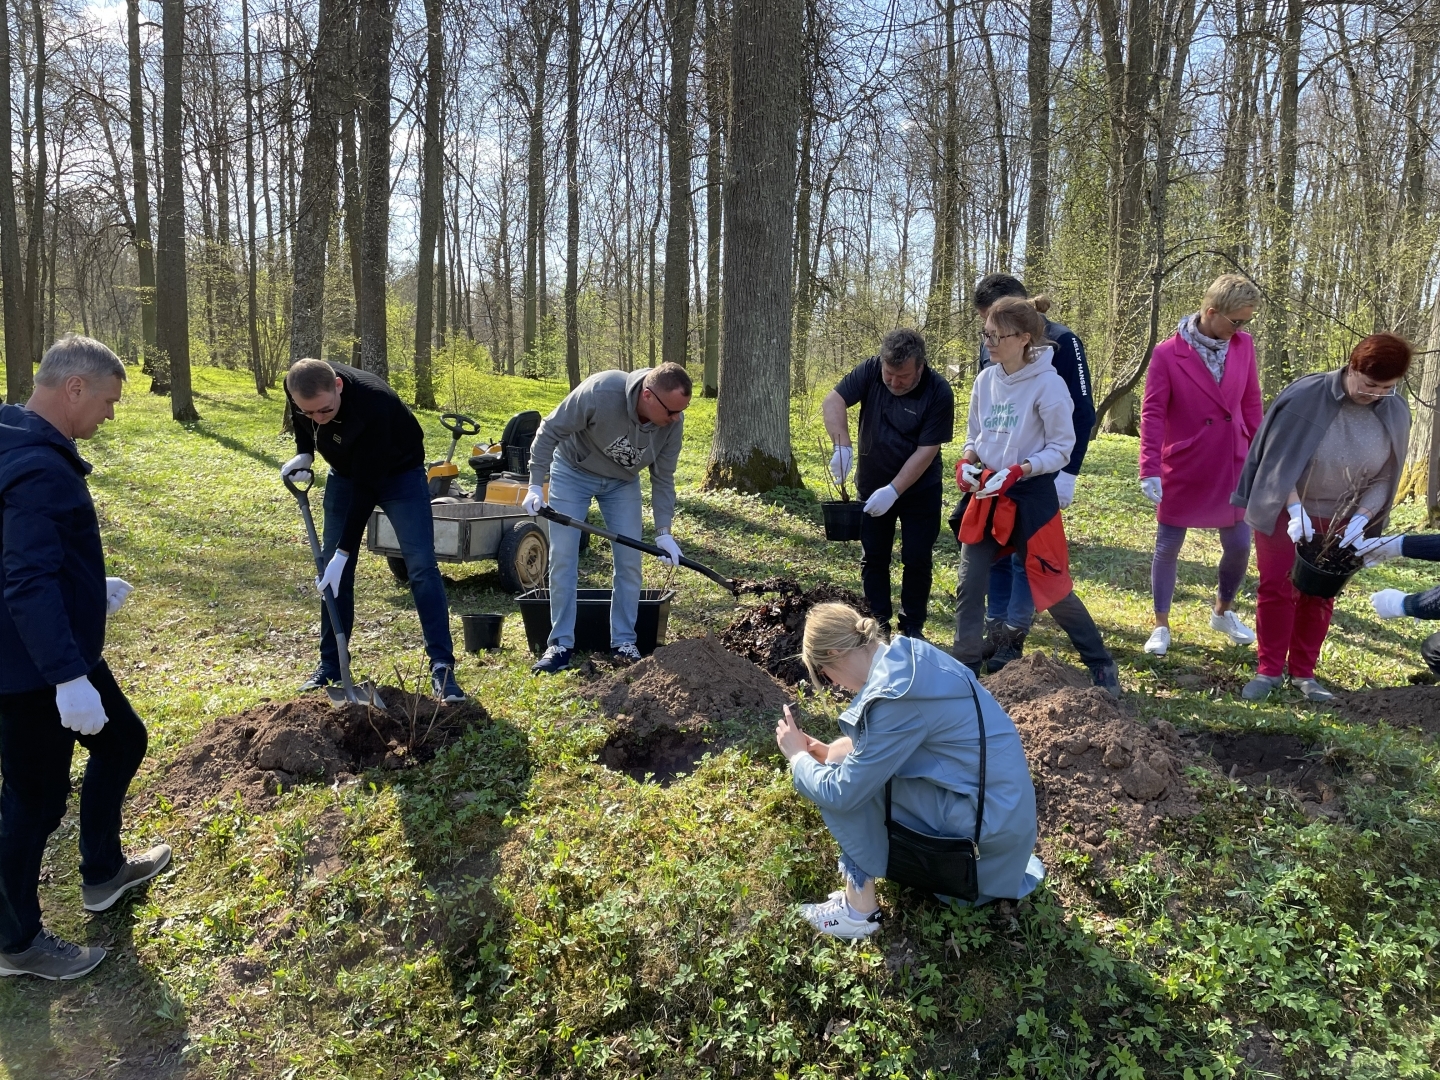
{"type": "Point", "coordinates": [571, 491]}
{"type": "Point", "coordinates": [1010, 597]}
{"type": "Point", "coordinates": [405, 498]}
{"type": "Point", "coordinates": [35, 753]}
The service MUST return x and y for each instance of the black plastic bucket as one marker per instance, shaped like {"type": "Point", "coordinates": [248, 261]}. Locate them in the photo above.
{"type": "Point", "coordinates": [592, 619]}
{"type": "Point", "coordinates": [842, 519]}
{"type": "Point", "coordinates": [1312, 581]}
{"type": "Point", "coordinates": [482, 631]}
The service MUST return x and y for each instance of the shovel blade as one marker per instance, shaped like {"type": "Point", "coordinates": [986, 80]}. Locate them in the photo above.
{"type": "Point", "coordinates": [360, 694]}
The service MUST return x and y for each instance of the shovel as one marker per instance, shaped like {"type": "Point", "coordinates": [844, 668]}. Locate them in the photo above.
{"type": "Point", "coordinates": [639, 545]}
{"type": "Point", "coordinates": [347, 693]}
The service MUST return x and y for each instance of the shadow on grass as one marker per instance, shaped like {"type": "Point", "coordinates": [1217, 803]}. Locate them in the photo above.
{"type": "Point", "coordinates": [236, 445]}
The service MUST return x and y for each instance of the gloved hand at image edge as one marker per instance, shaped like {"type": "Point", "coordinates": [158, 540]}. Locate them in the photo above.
{"type": "Point", "coordinates": [1300, 527]}
{"type": "Point", "coordinates": [1150, 488]}
{"type": "Point", "coordinates": [881, 501]}
{"type": "Point", "coordinates": [840, 462]}
{"type": "Point", "coordinates": [1354, 530]}
{"type": "Point", "coordinates": [80, 707]}
{"type": "Point", "coordinates": [1065, 488]}
{"type": "Point", "coordinates": [1388, 603]}
{"type": "Point", "coordinates": [534, 499]}
{"type": "Point", "coordinates": [967, 475]}
{"type": "Point", "coordinates": [666, 543]}
{"type": "Point", "coordinates": [333, 569]}
{"type": "Point", "coordinates": [1380, 549]}
{"type": "Point", "coordinates": [297, 469]}
{"type": "Point", "coordinates": [1001, 482]}
{"type": "Point", "coordinates": [116, 592]}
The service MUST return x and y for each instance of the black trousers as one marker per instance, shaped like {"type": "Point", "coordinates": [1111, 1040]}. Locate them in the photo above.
{"type": "Point", "coordinates": [35, 756]}
{"type": "Point", "coordinates": [1430, 653]}
{"type": "Point", "coordinates": [918, 513]}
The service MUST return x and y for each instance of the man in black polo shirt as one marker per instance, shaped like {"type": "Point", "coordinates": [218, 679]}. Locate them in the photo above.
{"type": "Point", "coordinates": [906, 412]}
{"type": "Point", "coordinates": [376, 453]}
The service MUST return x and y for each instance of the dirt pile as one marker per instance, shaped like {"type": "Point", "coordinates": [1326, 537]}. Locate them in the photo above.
{"type": "Point", "coordinates": [1094, 768]}
{"type": "Point", "coordinates": [1398, 706]}
{"type": "Point", "coordinates": [769, 634]}
{"type": "Point", "coordinates": [269, 748]}
{"type": "Point", "coordinates": [667, 706]}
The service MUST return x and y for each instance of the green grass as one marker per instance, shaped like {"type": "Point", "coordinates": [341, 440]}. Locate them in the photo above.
{"type": "Point", "coordinates": [514, 909]}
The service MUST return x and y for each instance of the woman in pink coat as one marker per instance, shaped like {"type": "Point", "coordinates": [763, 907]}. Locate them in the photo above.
{"type": "Point", "coordinates": [1201, 409]}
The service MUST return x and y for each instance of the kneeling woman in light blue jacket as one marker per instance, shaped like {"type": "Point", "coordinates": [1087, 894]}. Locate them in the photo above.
{"type": "Point", "coordinates": [913, 722]}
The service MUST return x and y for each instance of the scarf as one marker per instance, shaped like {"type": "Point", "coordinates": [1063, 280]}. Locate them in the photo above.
{"type": "Point", "coordinates": [1210, 350]}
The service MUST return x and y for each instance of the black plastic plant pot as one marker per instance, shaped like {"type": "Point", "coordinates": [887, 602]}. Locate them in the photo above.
{"type": "Point", "coordinates": [592, 619]}
{"type": "Point", "coordinates": [482, 631]}
{"type": "Point", "coordinates": [842, 519]}
{"type": "Point", "coordinates": [1312, 581]}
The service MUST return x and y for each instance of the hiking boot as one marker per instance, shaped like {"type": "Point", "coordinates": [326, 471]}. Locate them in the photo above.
{"type": "Point", "coordinates": [318, 680]}
{"type": "Point", "coordinates": [833, 917]}
{"type": "Point", "coordinates": [1011, 647]}
{"type": "Point", "coordinates": [442, 682]}
{"type": "Point", "coordinates": [134, 873]}
{"type": "Point", "coordinates": [50, 957]}
{"type": "Point", "coordinates": [917, 633]}
{"type": "Point", "coordinates": [1158, 643]}
{"type": "Point", "coordinates": [994, 632]}
{"type": "Point", "coordinates": [1107, 677]}
{"type": "Point", "coordinates": [556, 659]}
{"type": "Point", "coordinates": [625, 655]}
{"type": "Point", "coordinates": [1229, 624]}
{"type": "Point", "coordinates": [1258, 688]}
{"type": "Point", "coordinates": [1313, 691]}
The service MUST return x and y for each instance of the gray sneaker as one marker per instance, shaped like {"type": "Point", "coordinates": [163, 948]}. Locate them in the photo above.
{"type": "Point", "coordinates": [1258, 688]}
{"type": "Point", "coordinates": [1313, 691]}
{"type": "Point", "coordinates": [50, 957]}
{"type": "Point", "coordinates": [135, 872]}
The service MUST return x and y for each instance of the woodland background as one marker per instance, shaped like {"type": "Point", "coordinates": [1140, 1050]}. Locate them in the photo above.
{"type": "Point", "coordinates": [756, 188]}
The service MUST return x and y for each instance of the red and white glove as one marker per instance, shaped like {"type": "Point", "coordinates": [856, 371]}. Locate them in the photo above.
{"type": "Point", "coordinates": [1001, 482]}
{"type": "Point", "coordinates": [967, 475]}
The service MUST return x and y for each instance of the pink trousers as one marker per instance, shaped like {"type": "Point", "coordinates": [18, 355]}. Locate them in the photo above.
{"type": "Point", "coordinates": [1290, 626]}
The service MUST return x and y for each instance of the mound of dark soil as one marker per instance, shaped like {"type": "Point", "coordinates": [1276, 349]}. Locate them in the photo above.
{"type": "Point", "coordinates": [1398, 706]}
{"type": "Point", "coordinates": [269, 748]}
{"type": "Point", "coordinates": [769, 634]}
{"type": "Point", "coordinates": [1094, 768]}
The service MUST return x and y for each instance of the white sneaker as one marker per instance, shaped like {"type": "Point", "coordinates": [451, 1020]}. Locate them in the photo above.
{"type": "Point", "coordinates": [833, 917]}
{"type": "Point", "coordinates": [1229, 624]}
{"type": "Point", "coordinates": [1158, 644]}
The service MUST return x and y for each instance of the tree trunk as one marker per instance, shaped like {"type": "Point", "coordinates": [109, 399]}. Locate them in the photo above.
{"type": "Point", "coordinates": [172, 314]}
{"type": "Point", "coordinates": [258, 367]}
{"type": "Point", "coordinates": [543, 28]}
{"type": "Point", "coordinates": [715, 114]}
{"type": "Point", "coordinates": [572, 192]}
{"type": "Point", "coordinates": [1004, 228]}
{"type": "Point", "coordinates": [354, 216]}
{"type": "Point", "coordinates": [806, 177]}
{"type": "Point", "coordinates": [1276, 368]}
{"type": "Point", "coordinates": [34, 278]}
{"type": "Point", "coordinates": [431, 197]}
{"type": "Point", "coordinates": [377, 30]}
{"type": "Point", "coordinates": [676, 333]}
{"type": "Point", "coordinates": [1037, 83]}
{"type": "Point", "coordinates": [751, 450]}
{"type": "Point", "coordinates": [947, 197]}
{"type": "Point", "coordinates": [19, 373]}
{"type": "Point", "coordinates": [144, 237]}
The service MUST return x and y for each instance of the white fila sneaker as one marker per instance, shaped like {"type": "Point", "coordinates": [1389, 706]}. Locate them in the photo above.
{"type": "Point", "coordinates": [833, 917]}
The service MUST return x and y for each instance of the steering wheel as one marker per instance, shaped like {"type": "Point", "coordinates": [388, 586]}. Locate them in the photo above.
{"type": "Point", "coordinates": [459, 425]}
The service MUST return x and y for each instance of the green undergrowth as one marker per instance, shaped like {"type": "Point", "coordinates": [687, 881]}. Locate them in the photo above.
{"type": "Point", "coordinates": [513, 908]}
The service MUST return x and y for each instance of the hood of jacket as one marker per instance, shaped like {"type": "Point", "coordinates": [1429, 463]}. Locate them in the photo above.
{"type": "Point", "coordinates": [1032, 370]}
{"type": "Point", "coordinates": [904, 668]}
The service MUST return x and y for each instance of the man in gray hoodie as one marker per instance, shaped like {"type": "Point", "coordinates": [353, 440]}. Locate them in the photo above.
{"type": "Point", "coordinates": [592, 447]}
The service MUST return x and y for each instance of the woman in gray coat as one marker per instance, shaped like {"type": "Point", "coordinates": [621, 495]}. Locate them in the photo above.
{"type": "Point", "coordinates": [913, 724]}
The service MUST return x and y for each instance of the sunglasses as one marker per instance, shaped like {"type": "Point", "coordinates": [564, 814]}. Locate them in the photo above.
{"type": "Point", "coordinates": [669, 412]}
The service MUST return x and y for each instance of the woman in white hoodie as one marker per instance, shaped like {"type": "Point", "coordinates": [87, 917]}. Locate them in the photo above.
{"type": "Point", "coordinates": [1020, 435]}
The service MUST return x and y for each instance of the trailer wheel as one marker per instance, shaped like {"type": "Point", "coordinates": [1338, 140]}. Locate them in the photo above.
{"type": "Point", "coordinates": [398, 568]}
{"type": "Point", "coordinates": [524, 557]}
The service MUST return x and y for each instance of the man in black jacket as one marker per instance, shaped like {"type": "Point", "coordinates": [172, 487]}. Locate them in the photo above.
{"type": "Point", "coordinates": [376, 453]}
{"type": "Point", "coordinates": [55, 689]}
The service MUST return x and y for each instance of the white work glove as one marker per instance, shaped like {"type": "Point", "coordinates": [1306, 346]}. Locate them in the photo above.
{"type": "Point", "coordinates": [80, 707]}
{"type": "Point", "coordinates": [881, 501]}
{"type": "Point", "coordinates": [116, 590]}
{"type": "Point", "coordinates": [1150, 488]}
{"type": "Point", "coordinates": [1354, 530]}
{"type": "Point", "coordinates": [1065, 488]}
{"type": "Point", "coordinates": [666, 543]}
{"type": "Point", "coordinates": [298, 468]}
{"type": "Point", "coordinates": [331, 578]}
{"type": "Point", "coordinates": [1379, 549]}
{"type": "Point", "coordinates": [1388, 603]}
{"type": "Point", "coordinates": [1300, 527]}
{"type": "Point", "coordinates": [534, 499]}
{"type": "Point", "coordinates": [840, 463]}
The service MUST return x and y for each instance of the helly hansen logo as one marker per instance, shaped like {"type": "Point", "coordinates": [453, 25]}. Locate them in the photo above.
{"type": "Point", "coordinates": [623, 453]}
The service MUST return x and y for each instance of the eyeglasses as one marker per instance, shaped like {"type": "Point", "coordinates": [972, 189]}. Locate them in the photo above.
{"type": "Point", "coordinates": [1359, 380]}
{"type": "Point", "coordinates": [324, 410]}
{"type": "Point", "coordinates": [994, 339]}
{"type": "Point", "coordinates": [669, 412]}
{"type": "Point", "coordinates": [1236, 323]}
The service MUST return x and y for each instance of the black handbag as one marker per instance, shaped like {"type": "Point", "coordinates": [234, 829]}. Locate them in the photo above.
{"type": "Point", "coordinates": [938, 864]}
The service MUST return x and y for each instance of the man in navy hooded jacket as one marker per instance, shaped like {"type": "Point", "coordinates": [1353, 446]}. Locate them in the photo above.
{"type": "Point", "coordinates": [55, 689]}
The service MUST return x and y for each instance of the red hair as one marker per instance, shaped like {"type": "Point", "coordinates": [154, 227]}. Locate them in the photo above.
{"type": "Point", "coordinates": [1382, 357]}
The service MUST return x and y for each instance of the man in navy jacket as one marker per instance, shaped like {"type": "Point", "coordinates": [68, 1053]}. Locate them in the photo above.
{"type": "Point", "coordinates": [55, 688]}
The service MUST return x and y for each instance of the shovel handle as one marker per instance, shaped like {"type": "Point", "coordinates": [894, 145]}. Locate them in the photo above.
{"type": "Point", "coordinates": [639, 545]}
{"type": "Point", "coordinates": [302, 496]}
